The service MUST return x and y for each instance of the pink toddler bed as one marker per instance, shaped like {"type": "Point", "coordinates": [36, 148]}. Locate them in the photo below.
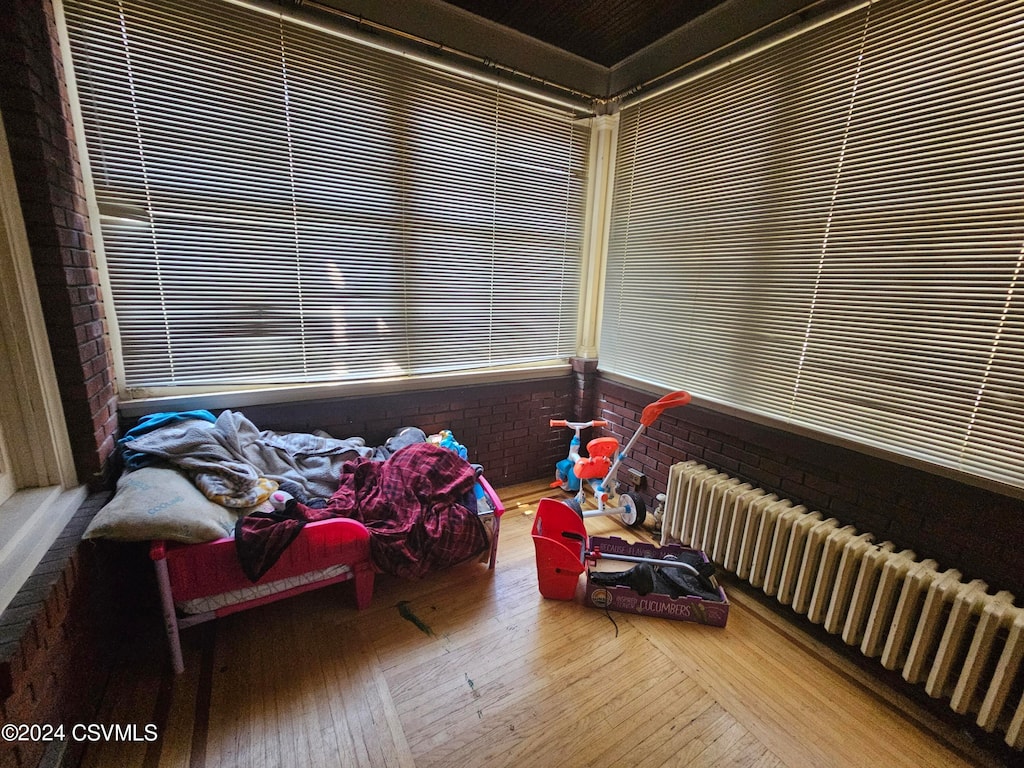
{"type": "Point", "coordinates": [201, 582]}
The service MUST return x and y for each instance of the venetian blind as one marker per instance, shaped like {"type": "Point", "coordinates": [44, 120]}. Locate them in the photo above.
{"type": "Point", "coordinates": [829, 233]}
{"type": "Point", "coordinates": [281, 204]}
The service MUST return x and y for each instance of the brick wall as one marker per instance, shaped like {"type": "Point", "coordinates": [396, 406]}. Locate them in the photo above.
{"type": "Point", "coordinates": [960, 526]}
{"type": "Point", "coordinates": [34, 103]}
{"type": "Point", "coordinates": [504, 426]}
{"type": "Point", "coordinates": [57, 640]}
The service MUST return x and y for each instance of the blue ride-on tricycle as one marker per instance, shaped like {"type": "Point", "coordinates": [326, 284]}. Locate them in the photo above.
{"type": "Point", "coordinates": [575, 473]}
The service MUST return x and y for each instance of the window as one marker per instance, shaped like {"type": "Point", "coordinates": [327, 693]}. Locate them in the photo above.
{"type": "Point", "coordinates": [829, 233]}
{"type": "Point", "coordinates": [280, 204]}
{"type": "Point", "coordinates": [39, 489]}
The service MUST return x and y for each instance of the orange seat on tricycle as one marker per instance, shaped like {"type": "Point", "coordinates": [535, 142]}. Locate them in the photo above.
{"type": "Point", "coordinates": [602, 451]}
{"type": "Point", "coordinates": [603, 446]}
{"type": "Point", "coordinates": [592, 468]}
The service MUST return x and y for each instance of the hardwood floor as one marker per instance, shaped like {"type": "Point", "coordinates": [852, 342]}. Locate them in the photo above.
{"type": "Point", "coordinates": [473, 668]}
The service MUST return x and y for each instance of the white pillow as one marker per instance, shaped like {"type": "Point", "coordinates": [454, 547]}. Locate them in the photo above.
{"type": "Point", "coordinates": [160, 503]}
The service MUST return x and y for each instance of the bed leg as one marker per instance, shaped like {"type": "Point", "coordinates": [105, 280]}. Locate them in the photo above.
{"type": "Point", "coordinates": [494, 542]}
{"type": "Point", "coordinates": [363, 579]}
{"type": "Point", "coordinates": [170, 617]}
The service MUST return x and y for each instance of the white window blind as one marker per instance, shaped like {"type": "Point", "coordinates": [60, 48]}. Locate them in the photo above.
{"type": "Point", "coordinates": [830, 233]}
{"type": "Point", "coordinates": [280, 204]}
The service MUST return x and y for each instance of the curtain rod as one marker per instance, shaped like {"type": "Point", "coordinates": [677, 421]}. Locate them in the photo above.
{"type": "Point", "coordinates": [636, 91]}
{"type": "Point", "coordinates": [583, 102]}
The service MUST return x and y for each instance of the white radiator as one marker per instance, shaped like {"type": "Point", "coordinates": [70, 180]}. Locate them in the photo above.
{"type": "Point", "coordinates": [951, 636]}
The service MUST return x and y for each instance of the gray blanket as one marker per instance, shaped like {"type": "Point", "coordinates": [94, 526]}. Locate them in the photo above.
{"type": "Point", "coordinates": [227, 458]}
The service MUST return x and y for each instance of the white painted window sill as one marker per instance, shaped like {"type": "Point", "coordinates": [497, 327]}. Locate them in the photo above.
{"type": "Point", "coordinates": [30, 521]}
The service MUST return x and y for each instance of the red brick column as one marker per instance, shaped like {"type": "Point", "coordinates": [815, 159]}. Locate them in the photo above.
{"type": "Point", "coordinates": [585, 371]}
{"type": "Point", "coordinates": [37, 118]}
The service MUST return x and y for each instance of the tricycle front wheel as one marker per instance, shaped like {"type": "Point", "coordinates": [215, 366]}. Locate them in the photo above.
{"type": "Point", "coordinates": [634, 510]}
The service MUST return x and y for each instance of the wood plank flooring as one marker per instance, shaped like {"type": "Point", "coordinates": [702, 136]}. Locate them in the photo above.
{"type": "Point", "coordinates": [495, 675]}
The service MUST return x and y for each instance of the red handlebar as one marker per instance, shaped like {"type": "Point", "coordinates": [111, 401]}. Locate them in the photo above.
{"type": "Point", "coordinates": [654, 410]}
{"type": "Point", "coordinates": [580, 424]}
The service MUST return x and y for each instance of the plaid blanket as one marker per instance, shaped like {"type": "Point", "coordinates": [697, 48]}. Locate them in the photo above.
{"type": "Point", "coordinates": [413, 505]}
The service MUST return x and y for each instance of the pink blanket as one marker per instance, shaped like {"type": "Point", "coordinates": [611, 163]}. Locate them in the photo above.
{"type": "Point", "coordinates": [412, 504]}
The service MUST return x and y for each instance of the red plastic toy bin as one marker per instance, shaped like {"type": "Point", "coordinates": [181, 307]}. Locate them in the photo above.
{"type": "Point", "coordinates": [560, 543]}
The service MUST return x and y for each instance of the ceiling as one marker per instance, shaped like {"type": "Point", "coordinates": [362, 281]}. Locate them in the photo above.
{"type": "Point", "coordinates": [602, 31]}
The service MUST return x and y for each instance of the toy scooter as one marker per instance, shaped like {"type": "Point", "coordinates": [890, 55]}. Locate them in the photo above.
{"type": "Point", "coordinates": [600, 467]}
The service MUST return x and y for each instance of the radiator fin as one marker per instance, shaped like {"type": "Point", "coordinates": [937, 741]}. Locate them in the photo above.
{"type": "Point", "coordinates": [955, 638]}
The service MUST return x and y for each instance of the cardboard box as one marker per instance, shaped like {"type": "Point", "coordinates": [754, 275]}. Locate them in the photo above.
{"type": "Point", "coordinates": [618, 598]}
